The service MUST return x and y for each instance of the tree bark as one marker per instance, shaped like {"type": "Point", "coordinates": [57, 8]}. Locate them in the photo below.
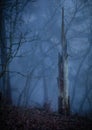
{"type": "Point", "coordinates": [65, 67]}
{"type": "Point", "coordinates": [4, 75]}
{"type": "Point", "coordinates": [63, 74]}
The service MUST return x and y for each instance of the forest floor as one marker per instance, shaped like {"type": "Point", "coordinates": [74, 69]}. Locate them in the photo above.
{"type": "Point", "coordinates": [14, 118]}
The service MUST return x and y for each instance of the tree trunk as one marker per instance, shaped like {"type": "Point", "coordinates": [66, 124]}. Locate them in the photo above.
{"type": "Point", "coordinates": [63, 72]}
{"type": "Point", "coordinates": [4, 75]}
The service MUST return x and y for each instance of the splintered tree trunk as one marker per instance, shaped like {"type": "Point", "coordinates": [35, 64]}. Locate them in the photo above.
{"type": "Point", "coordinates": [60, 85]}
{"type": "Point", "coordinates": [63, 69]}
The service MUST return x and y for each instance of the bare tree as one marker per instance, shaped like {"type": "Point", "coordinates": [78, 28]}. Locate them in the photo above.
{"type": "Point", "coordinates": [79, 7]}
{"type": "Point", "coordinates": [11, 39]}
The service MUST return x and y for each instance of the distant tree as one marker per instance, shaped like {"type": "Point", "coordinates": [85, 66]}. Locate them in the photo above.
{"type": "Point", "coordinates": [84, 7]}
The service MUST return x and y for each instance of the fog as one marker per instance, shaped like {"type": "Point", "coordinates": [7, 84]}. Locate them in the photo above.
{"type": "Point", "coordinates": [36, 41]}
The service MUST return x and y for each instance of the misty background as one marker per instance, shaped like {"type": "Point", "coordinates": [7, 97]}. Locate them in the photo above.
{"type": "Point", "coordinates": [31, 37]}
